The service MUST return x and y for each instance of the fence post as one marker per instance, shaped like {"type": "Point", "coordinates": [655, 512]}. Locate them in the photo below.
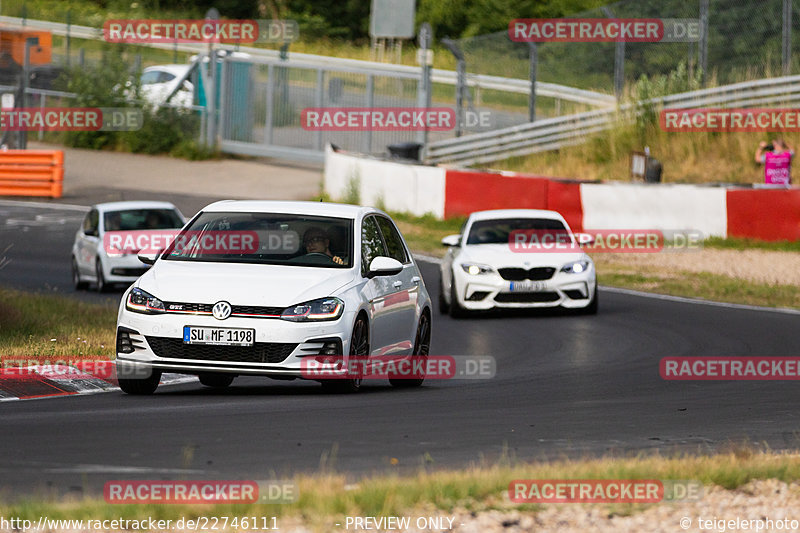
{"type": "Point", "coordinates": [534, 67]}
{"type": "Point", "coordinates": [270, 104]}
{"type": "Point", "coordinates": [786, 52]}
{"type": "Point", "coordinates": [69, 26]}
{"type": "Point", "coordinates": [423, 90]}
{"type": "Point", "coordinates": [318, 103]}
{"type": "Point", "coordinates": [461, 81]}
{"type": "Point", "coordinates": [367, 134]}
{"type": "Point", "coordinates": [703, 45]}
{"type": "Point", "coordinates": [619, 61]}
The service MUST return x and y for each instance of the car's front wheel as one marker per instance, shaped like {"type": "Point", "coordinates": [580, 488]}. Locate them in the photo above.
{"type": "Point", "coordinates": [359, 349]}
{"type": "Point", "coordinates": [444, 307]}
{"type": "Point", "coordinates": [422, 346]}
{"type": "Point", "coordinates": [101, 284]}
{"type": "Point", "coordinates": [217, 381]}
{"type": "Point", "coordinates": [456, 310]}
{"type": "Point", "coordinates": [140, 386]}
{"type": "Point", "coordinates": [76, 277]}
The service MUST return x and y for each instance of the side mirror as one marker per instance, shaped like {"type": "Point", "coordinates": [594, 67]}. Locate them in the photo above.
{"type": "Point", "coordinates": [584, 238]}
{"type": "Point", "coordinates": [384, 266]}
{"type": "Point", "coordinates": [452, 240]}
{"type": "Point", "coordinates": [149, 258]}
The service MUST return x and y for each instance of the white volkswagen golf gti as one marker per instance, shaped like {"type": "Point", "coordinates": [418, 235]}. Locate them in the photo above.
{"type": "Point", "coordinates": [516, 258]}
{"type": "Point", "coordinates": [259, 287]}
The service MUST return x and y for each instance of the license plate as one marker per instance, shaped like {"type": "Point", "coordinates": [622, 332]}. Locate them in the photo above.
{"type": "Point", "coordinates": [527, 286]}
{"type": "Point", "coordinates": [219, 336]}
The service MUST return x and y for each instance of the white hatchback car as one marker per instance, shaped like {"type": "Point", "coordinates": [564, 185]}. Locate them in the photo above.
{"type": "Point", "coordinates": [484, 269]}
{"type": "Point", "coordinates": [321, 280]}
{"type": "Point", "coordinates": [94, 261]}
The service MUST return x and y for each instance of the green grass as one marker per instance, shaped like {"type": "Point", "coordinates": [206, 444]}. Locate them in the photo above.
{"type": "Point", "coordinates": [732, 243]}
{"type": "Point", "coordinates": [701, 285]}
{"type": "Point", "coordinates": [327, 497]}
{"type": "Point", "coordinates": [46, 326]}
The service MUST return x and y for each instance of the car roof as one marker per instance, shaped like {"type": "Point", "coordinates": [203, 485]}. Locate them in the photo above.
{"type": "Point", "coordinates": [290, 207]}
{"type": "Point", "coordinates": [141, 204]}
{"type": "Point", "coordinates": [515, 213]}
{"type": "Point", "coordinates": [172, 69]}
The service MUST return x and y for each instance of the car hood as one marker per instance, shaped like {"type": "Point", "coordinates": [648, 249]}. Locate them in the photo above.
{"type": "Point", "coordinates": [500, 255]}
{"type": "Point", "coordinates": [241, 284]}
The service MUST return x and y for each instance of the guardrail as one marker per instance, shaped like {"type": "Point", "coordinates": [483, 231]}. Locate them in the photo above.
{"type": "Point", "coordinates": [554, 133]}
{"type": "Point", "coordinates": [32, 173]}
{"type": "Point", "coordinates": [449, 77]}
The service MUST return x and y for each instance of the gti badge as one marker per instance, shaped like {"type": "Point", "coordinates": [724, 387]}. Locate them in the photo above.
{"type": "Point", "coordinates": [221, 310]}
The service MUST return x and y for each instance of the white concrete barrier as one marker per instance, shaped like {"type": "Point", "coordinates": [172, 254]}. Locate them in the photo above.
{"type": "Point", "coordinates": [660, 207]}
{"type": "Point", "coordinates": [403, 187]}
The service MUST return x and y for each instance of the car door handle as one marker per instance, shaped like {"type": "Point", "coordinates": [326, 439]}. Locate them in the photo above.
{"type": "Point", "coordinates": [415, 279]}
{"type": "Point", "coordinates": [397, 284]}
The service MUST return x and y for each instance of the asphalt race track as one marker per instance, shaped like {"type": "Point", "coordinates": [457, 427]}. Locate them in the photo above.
{"type": "Point", "coordinates": [565, 386]}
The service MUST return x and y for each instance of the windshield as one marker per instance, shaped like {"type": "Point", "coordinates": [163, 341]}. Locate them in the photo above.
{"type": "Point", "coordinates": [498, 231]}
{"type": "Point", "coordinates": [141, 219]}
{"type": "Point", "coordinates": [266, 238]}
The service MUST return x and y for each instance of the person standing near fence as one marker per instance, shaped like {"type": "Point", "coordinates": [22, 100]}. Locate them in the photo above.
{"type": "Point", "coordinates": [777, 162]}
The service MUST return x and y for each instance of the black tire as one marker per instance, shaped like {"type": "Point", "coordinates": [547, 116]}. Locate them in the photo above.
{"type": "Point", "coordinates": [456, 311]}
{"type": "Point", "coordinates": [140, 387]}
{"type": "Point", "coordinates": [359, 348]}
{"type": "Point", "coordinates": [422, 346]}
{"type": "Point", "coordinates": [591, 309]}
{"type": "Point", "coordinates": [216, 380]}
{"type": "Point", "coordinates": [100, 284]}
{"type": "Point", "coordinates": [76, 277]}
{"type": "Point", "coordinates": [444, 307]}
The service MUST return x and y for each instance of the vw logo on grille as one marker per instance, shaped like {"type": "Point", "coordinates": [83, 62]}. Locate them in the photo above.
{"type": "Point", "coordinates": [221, 310]}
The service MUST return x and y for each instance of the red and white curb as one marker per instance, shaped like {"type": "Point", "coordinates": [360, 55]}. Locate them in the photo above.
{"type": "Point", "coordinates": [46, 381]}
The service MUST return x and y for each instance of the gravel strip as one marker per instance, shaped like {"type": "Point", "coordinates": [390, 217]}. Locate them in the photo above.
{"type": "Point", "coordinates": [761, 266]}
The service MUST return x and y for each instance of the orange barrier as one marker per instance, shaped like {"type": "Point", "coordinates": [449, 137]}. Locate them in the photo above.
{"type": "Point", "coordinates": [32, 173]}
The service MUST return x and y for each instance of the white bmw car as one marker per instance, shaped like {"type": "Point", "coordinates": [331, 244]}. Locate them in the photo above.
{"type": "Point", "coordinates": [96, 259]}
{"type": "Point", "coordinates": [516, 258]}
{"type": "Point", "coordinates": [262, 287]}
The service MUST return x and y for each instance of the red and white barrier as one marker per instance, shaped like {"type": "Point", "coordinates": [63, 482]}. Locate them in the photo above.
{"type": "Point", "coordinates": [765, 214]}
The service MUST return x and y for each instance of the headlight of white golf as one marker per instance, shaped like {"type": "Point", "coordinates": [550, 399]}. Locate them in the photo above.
{"type": "Point", "coordinates": [315, 310]}
{"type": "Point", "coordinates": [140, 301]}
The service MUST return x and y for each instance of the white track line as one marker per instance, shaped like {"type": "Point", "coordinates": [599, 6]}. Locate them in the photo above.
{"type": "Point", "coordinates": [44, 205]}
{"type": "Point", "coordinates": [681, 299]}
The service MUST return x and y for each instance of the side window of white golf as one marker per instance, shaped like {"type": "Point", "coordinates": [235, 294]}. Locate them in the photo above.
{"type": "Point", "coordinates": [371, 243]}
{"type": "Point", "coordinates": [90, 223]}
{"type": "Point", "coordinates": [394, 243]}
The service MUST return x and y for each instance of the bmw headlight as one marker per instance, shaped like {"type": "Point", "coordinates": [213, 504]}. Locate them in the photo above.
{"type": "Point", "coordinates": [475, 269]}
{"type": "Point", "coordinates": [315, 310]}
{"type": "Point", "coordinates": [140, 301]}
{"type": "Point", "coordinates": [578, 267]}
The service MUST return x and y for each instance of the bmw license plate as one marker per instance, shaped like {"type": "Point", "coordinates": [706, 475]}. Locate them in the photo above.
{"type": "Point", "coordinates": [527, 286]}
{"type": "Point", "coordinates": [219, 336]}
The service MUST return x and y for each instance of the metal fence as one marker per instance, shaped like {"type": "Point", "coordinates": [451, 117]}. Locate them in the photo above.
{"type": "Point", "coordinates": [559, 132]}
{"type": "Point", "coordinates": [743, 40]}
{"type": "Point", "coordinates": [262, 100]}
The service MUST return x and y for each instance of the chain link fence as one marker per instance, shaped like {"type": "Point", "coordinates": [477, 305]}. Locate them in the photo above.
{"type": "Point", "coordinates": [745, 40]}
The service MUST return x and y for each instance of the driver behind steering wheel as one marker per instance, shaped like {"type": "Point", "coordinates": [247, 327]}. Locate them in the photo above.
{"type": "Point", "coordinates": [316, 241]}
